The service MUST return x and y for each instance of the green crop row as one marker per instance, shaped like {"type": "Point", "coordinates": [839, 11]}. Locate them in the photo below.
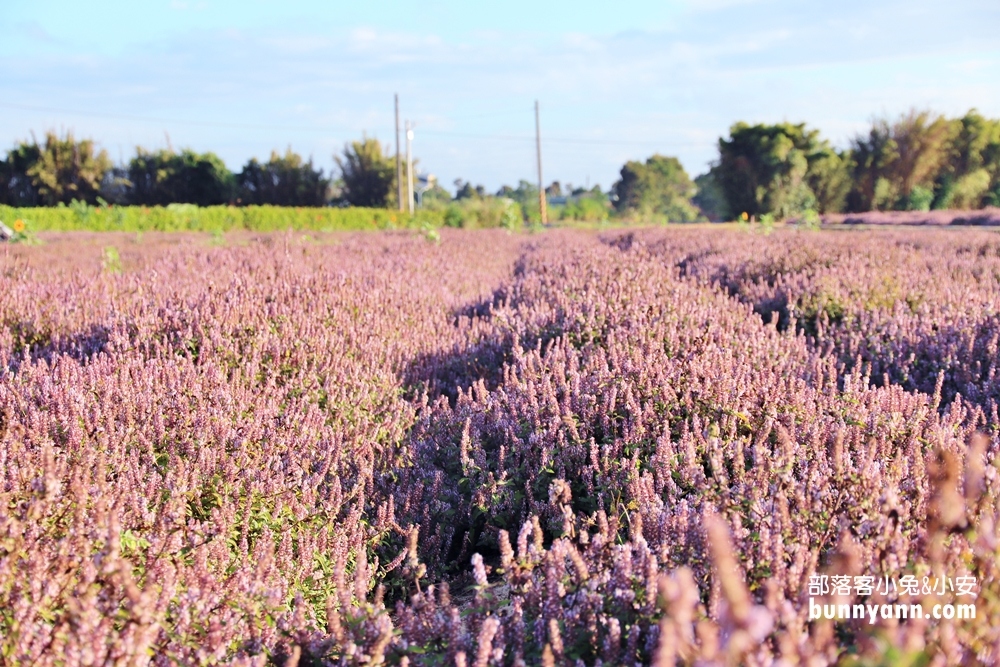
{"type": "Point", "coordinates": [187, 217]}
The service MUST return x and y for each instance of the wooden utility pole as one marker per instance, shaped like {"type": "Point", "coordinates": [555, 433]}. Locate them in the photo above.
{"type": "Point", "coordinates": [409, 167]}
{"type": "Point", "coordinates": [399, 160]}
{"type": "Point", "coordinates": [538, 149]}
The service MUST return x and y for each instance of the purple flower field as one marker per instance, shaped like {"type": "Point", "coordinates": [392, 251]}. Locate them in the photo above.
{"type": "Point", "coordinates": [563, 448]}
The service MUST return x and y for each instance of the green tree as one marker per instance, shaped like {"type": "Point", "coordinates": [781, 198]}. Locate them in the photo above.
{"type": "Point", "coordinates": [465, 190]}
{"type": "Point", "coordinates": [829, 178]}
{"type": "Point", "coordinates": [896, 164]}
{"type": "Point", "coordinates": [872, 157]}
{"type": "Point", "coordinates": [587, 205]}
{"type": "Point", "coordinates": [367, 174]}
{"type": "Point", "coordinates": [781, 170]}
{"type": "Point", "coordinates": [526, 197]}
{"type": "Point", "coordinates": [970, 176]}
{"type": "Point", "coordinates": [525, 193]}
{"type": "Point", "coordinates": [710, 198]}
{"type": "Point", "coordinates": [283, 181]}
{"type": "Point", "coordinates": [59, 171]}
{"type": "Point", "coordinates": [657, 188]}
{"type": "Point", "coordinates": [922, 142]}
{"type": "Point", "coordinates": [165, 177]}
{"type": "Point", "coordinates": [16, 186]}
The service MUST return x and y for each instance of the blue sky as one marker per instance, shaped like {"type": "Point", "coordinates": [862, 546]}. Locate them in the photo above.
{"type": "Point", "coordinates": [616, 81]}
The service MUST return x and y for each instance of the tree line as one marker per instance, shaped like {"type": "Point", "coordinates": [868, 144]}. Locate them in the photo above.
{"type": "Point", "coordinates": [61, 170]}
{"type": "Point", "coordinates": [918, 161]}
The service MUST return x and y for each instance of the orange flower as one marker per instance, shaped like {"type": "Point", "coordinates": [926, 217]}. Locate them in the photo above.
{"type": "Point", "coordinates": [19, 225]}
{"type": "Point", "coordinates": [745, 216]}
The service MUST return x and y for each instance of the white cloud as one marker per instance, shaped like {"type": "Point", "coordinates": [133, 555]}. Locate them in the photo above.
{"type": "Point", "coordinates": [673, 90]}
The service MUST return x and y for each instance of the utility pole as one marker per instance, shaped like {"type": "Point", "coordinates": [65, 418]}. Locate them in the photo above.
{"type": "Point", "coordinates": [538, 148]}
{"type": "Point", "coordinates": [399, 162]}
{"type": "Point", "coordinates": [409, 167]}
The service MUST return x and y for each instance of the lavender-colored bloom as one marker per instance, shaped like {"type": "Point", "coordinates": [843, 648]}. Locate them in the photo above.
{"type": "Point", "coordinates": [562, 449]}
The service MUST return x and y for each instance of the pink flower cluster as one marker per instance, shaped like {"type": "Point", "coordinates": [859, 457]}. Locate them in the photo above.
{"type": "Point", "coordinates": [553, 449]}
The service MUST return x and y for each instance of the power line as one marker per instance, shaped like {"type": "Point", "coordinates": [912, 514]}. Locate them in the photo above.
{"type": "Point", "coordinates": [566, 140]}
{"type": "Point", "coordinates": [491, 114]}
{"type": "Point", "coordinates": [174, 121]}
{"type": "Point", "coordinates": [317, 129]}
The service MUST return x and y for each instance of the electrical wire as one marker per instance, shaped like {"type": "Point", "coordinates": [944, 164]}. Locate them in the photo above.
{"type": "Point", "coordinates": [315, 129]}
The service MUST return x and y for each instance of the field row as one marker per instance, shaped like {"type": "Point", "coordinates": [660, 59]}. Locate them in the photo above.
{"type": "Point", "coordinates": [561, 448]}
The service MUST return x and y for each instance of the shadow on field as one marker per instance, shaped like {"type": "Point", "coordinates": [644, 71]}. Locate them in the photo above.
{"type": "Point", "coordinates": [445, 372]}
{"type": "Point", "coordinates": [34, 343]}
{"type": "Point", "coordinates": [502, 326]}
